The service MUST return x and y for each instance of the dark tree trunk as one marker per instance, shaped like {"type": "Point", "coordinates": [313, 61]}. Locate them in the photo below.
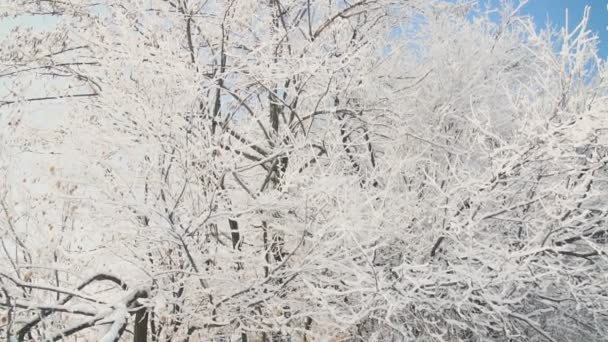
{"type": "Point", "coordinates": [140, 330]}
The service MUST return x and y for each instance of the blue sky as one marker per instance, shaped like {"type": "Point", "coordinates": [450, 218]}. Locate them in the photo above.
{"type": "Point", "coordinates": [540, 10]}
{"type": "Point", "coordinates": [555, 12]}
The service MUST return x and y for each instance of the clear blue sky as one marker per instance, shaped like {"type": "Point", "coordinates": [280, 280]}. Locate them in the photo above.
{"type": "Point", "coordinates": [540, 10]}
{"type": "Point", "coordinates": [555, 12]}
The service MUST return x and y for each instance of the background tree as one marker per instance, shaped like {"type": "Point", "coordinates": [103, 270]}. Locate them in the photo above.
{"type": "Point", "coordinates": [301, 170]}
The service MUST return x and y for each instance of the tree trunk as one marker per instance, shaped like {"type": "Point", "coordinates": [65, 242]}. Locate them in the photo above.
{"type": "Point", "coordinates": [140, 329]}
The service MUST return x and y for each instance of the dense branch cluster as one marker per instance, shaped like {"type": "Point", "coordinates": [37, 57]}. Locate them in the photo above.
{"type": "Point", "coordinates": [300, 170]}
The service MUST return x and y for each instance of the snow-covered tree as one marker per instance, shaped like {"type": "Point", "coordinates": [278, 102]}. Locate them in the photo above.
{"type": "Point", "coordinates": [300, 170]}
